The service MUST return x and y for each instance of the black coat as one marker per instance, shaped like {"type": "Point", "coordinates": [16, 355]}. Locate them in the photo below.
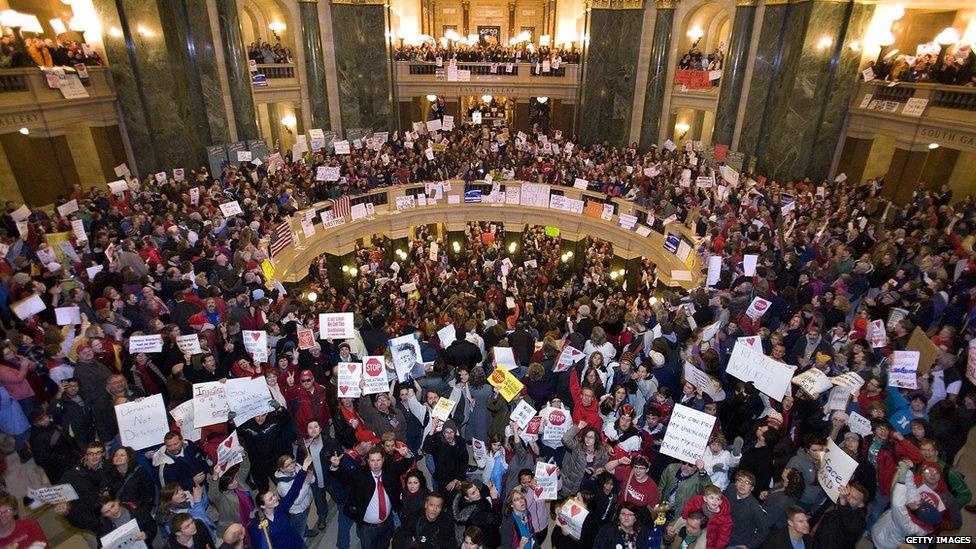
{"type": "Point", "coordinates": [54, 450]}
{"type": "Point", "coordinates": [450, 462]}
{"type": "Point", "coordinates": [463, 353]}
{"type": "Point", "coordinates": [841, 527]}
{"type": "Point", "coordinates": [417, 532]}
{"type": "Point", "coordinates": [136, 486]}
{"type": "Point", "coordinates": [78, 420]}
{"type": "Point", "coordinates": [780, 539]}
{"type": "Point", "coordinates": [362, 486]}
{"type": "Point", "coordinates": [523, 345]}
{"type": "Point", "coordinates": [145, 521]}
{"type": "Point", "coordinates": [88, 484]}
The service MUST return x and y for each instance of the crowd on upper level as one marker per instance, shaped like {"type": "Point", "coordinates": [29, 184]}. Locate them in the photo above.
{"type": "Point", "coordinates": [957, 68]}
{"type": "Point", "coordinates": [696, 61]}
{"type": "Point", "coordinates": [830, 258]}
{"type": "Point", "coordinates": [488, 53]}
{"type": "Point", "coordinates": [37, 52]}
{"type": "Point", "coordinates": [264, 53]}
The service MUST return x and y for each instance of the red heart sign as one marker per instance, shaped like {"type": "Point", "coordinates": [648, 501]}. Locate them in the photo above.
{"type": "Point", "coordinates": [477, 444]}
{"type": "Point", "coordinates": [351, 366]}
{"type": "Point", "coordinates": [228, 442]}
{"type": "Point", "coordinates": [343, 389]}
{"type": "Point", "coordinates": [574, 510]}
{"type": "Point", "coordinates": [561, 521]}
{"type": "Point", "coordinates": [751, 341]}
{"type": "Point", "coordinates": [255, 335]}
{"type": "Point", "coordinates": [538, 492]}
{"type": "Point", "coordinates": [550, 469]}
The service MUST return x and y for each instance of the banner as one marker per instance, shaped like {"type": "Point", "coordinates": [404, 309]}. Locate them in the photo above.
{"type": "Point", "coordinates": [693, 80]}
{"type": "Point", "coordinates": [687, 434]}
{"type": "Point", "coordinates": [143, 423]}
{"type": "Point", "coordinates": [336, 326]}
{"type": "Point", "coordinates": [508, 385]}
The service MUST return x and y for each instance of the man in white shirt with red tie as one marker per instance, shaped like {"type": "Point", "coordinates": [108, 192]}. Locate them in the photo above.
{"type": "Point", "coordinates": [374, 495]}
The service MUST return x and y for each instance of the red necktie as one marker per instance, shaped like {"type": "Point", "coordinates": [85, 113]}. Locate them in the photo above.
{"type": "Point", "coordinates": [382, 497]}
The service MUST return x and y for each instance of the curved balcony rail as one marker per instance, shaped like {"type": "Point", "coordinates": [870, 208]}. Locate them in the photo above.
{"type": "Point", "coordinates": [396, 209]}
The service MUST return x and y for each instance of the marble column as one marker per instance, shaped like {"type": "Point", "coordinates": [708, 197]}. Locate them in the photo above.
{"type": "Point", "coordinates": [763, 79]}
{"type": "Point", "coordinates": [816, 75]}
{"type": "Point", "coordinates": [84, 154]}
{"type": "Point", "coordinates": [465, 17]}
{"type": "Point", "coordinates": [657, 75]}
{"type": "Point", "coordinates": [9, 190]}
{"type": "Point", "coordinates": [511, 20]}
{"type": "Point", "coordinates": [318, 98]}
{"type": "Point", "coordinates": [733, 75]}
{"type": "Point", "coordinates": [235, 61]}
{"type": "Point", "coordinates": [610, 66]}
{"type": "Point", "coordinates": [363, 66]}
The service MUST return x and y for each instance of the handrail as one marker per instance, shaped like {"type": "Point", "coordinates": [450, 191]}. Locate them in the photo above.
{"type": "Point", "coordinates": [291, 265]}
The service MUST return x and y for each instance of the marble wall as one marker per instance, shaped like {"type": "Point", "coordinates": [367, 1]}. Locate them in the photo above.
{"type": "Point", "coordinates": [167, 79]}
{"type": "Point", "coordinates": [734, 74]}
{"type": "Point", "coordinates": [817, 72]}
{"type": "Point", "coordinates": [657, 77]}
{"type": "Point", "coordinates": [610, 69]}
{"type": "Point", "coordinates": [763, 79]}
{"type": "Point", "coordinates": [318, 98]}
{"type": "Point", "coordinates": [363, 66]}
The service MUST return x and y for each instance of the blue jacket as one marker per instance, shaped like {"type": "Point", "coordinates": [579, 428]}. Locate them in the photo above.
{"type": "Point", "coordinates": [279, 531]}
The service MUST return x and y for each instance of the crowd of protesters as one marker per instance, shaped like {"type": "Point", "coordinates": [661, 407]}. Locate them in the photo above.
{"type": "Point", "coordinates": [46, 52]}
{"type": "Point", "coordinates": [955, 68]}
{"type": "Point", "coordinates": [488, 53]}
{"type": "Point", "coordinates": [264, 53]}
{"type": "Point", "coordinates": [160, 258]}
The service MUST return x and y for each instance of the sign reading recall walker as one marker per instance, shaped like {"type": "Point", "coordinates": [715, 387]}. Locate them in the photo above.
{"type": "Point", "coordinates": [687, 434]}
{"type": "Point", "coordinates": [142, 423]}
{"type": "Point", "coordinates": [336, 326]}
{"type": "Point", "coordinates": [768, 375]}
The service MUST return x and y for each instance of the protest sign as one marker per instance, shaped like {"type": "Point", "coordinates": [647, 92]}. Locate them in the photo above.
{"type": "Point", "coordinates": [768, 375]}
{"type": "Point", "coordinates": [877, 334]}
{"type": "Point", "coordinates": [838, 398]}
{"type": "Point", "coordinates": [928, 351]}
{"type": "Point", "coordinates": [229, 454]}
{"type": "Point", "coordinates": [556, 423]}
{"type": "Point", "coordinates": [687, 434]}
{"type": "Point", "coordinates": [859, 424]}
{"type": "Point", "coordinates": [247, 397]}
{"type": "Point", "coordinates": [903, 372]}
{"type": "Point", "coordinates": [569, 356]}
{"type": "Point", "coordinates": [836, 470]}
{"type": "Point", "coordinates": [813, 381]}
{"type": "Point", "coordinates": [189, 344]}
{"type": "Point", "coordinates": [480, 452]}
{"type": "Point", "coordinates": [28, 306]}
{"type": "Point", "coordinates": [349, 376]}
{"type": "Point", "coordinates": [209, 404]}
{"type": "Point", "coordinates": [53, 494]}
{"type": "Point", "coordinates": [306, 339]}
{"type": "Point", "coordinates": [374, 375]}
{"type": "Point", "coordinates": [757, 308]}
{"type": "Point", "coordinates": [850, 380]}
{"type": "Point", "coordinates": [508, 385]}
{"type": "Point", "coordinates": [231, 208]}
{"type": "Point", "coordinates": [522, 413]}
{"type": "Point", "coordinates": [545, 480]}
{"type": "Point", "coordinates": [407, 359]}
{"type": "Point", "coordinates": [146, 344]}
{"type": "Point", "coordinates": [571, 517]}
{"type": "Point", "coordinates": [336, 326]}
{"type": "Point", "coordinates": [443, 409]}
{"type": "Point", "coordinates": [256, 343]}
{"type": "Point", "coordinates": [447, 335]}
{"type": "Point", "coordinates": [971, 361]}
{"type": "Point", "coordinates": [123, 537]}
{"type": "Point", "coordinates": [183, 414]}
{"type": "Point", "coordinates": [142, 423]}
{"type": "Point", "coordinates": [67, 315]}
{"type": "Point", "coordinates": [754, 342]}
{"type": "Point", "coordinates": [702, 380]}
{"type": "Point", "coordinates": [504, 357]}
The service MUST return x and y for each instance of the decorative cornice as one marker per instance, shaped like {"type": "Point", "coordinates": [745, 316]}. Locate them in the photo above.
{"type": "Point", "coordinates": [361, 2]}
{"type": "Point", "coordinates": [666, 4]}
{"type": "Point", "coordinates": [746, 3]}
{"type": "Point", "coordinates": [616, 4]}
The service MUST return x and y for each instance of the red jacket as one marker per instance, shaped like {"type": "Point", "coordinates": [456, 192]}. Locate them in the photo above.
{"type": "Point", "coordinates": [307, 405]}
{"type": "Point", "coordinates": [888, 458]}
{"type": "Point", "coordinates": [590, 414]}
{"type": "Point", "coordinates": [719, 525]}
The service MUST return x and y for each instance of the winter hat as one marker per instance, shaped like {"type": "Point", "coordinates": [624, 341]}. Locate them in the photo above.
{"type": "Point", "coordinates": [657, 358]}
{"type": "Point", "coordinates": [928, 514]}
{"type": "Point", "coordinates": [584, 311]}
{"type": "Point", "coordinates": [774, 420]}
{"type": "Point", "coordinates": [449, 424]}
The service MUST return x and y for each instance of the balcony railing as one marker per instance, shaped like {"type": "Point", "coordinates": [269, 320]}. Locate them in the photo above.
{"type": "Point", "coordinates": [26, 88]}
{"type": "Point", "coordinates": [16, 82]}
{"type": "Point", "coordinates": [493, 71]}
{"type": "Point", "coordinates": [277, 70]}
{"type": "Point", "coordinates": [962, 99]}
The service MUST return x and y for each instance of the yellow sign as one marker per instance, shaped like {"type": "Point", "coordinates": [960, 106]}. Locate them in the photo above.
{"type": "Point", "coordinates": [268, 269]}
{"type": "Point", "coordinates": [508, 385]}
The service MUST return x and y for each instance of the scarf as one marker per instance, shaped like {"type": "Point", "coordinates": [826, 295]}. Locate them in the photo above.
{"type": "Point", "coordinates": [245, 506]}
{"type": "Point", "coordinates": [681, 478]}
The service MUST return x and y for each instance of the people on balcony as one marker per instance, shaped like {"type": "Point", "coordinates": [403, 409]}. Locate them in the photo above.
{"type": "Point", "coordinates": [957, 68]}
{"type": "Point", "coordinates": [488, 53]}
{"type": "Point", "coordinates": [37, 52]}
{"type": "Point", "coordinates": [264, 53]}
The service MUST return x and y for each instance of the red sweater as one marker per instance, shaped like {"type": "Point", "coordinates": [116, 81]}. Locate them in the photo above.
{"type": "Point", "coordinates": [590, 414]}
{"type": "Point", "coordinates": [719, 525]}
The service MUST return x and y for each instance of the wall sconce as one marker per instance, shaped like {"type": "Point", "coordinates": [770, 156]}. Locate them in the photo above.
{"type": "Point", "coordinates": [275, 27]}
{"type": "Point", "coordinates": [946, 38]}
{"type": "Point", "coordinates": [825, 42]}
{"type": "Point", "coordinates": [24, 131]}
{"type": "Point", "coordinates": [512, 247]}
{"type": "Point", "coordinates": [144, 31]}
{"type": "Point", "coordinates": [933, 146]}
{"type": "Point", "coordinates": [682, 129]}
{"type": "Point", "coordinates": [288, 121]}
{"type": "Point", "coordinates": [545, 40]}
{"type": "Point", "coordinates": [452, 35]}
{"type": "Point", "coordinates": [542, 100]}
{"type": "Point", "coordinates": [457, 246]}
{"type": "Point", "coordinates": [473, 39]}
{"type": "Point", "coordinates": [431, 97]}
{"type": "Point", "coordinates": [696, 34]}
{"type": "Point", "coordinates": [486, 98]}
{"type": "Point", "coordinates": [312, 297]}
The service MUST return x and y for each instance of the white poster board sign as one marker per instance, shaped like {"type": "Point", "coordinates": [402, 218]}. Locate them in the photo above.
{"type": "Point", "coordinates": [406, 357]}
{"type": "Point", "coordinates": [522, 414]}
{"type": "Point", "coordinates": [571, 517]}
{"type": "Point", "coordinates": [336, 326]}
{"type": "Point", "coordinates": [231, 208]}
{"type": "Point", "coordinates": [545, 480]}
{"type": "Point", "coordinates": [256, 343]}
{"type": "Point", "coordinates": [189, 344]}
{"type": "Point", "coordinates": [443, 409]}
{"type": "Point", "coordinates": [146, 344]}
{"type": "Point", "coordinates": [142, 424]}
{"type": "Point", "coordinates": [349, 376]}
{"type": "Point", "coordinates": [247, 397]}
{"type": "Point", "coordinates": [836, 470]}
{"type": "Point", "coordinates": [374, 375]}
{"type": "Point", "coordinates": [903, 372]}
{"type": "Point", "coordinates": [768, 375]}
{"type": "Point", "coordinates": [687, 434]}
{"type": "Point", "coordinates": [209, 404]}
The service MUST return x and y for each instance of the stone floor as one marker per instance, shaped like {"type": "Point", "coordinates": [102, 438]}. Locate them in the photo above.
{"type": "Point", "coordinates": [21, 476]}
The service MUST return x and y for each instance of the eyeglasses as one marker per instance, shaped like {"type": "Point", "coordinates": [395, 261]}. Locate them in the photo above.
{"type": "Point", "coordinates": [306, 381]}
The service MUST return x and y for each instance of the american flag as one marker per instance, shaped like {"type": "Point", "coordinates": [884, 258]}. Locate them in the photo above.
{"type": "Point", "coordinates": [282, 238]}
{"type": "Point", "coordinates": [341, 207]}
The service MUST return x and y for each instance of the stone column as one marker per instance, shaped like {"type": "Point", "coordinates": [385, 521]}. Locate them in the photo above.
{"type": "Point", "coordinates": [318, 98]}
{"type": "Point", "coordinates": [362, 66]}
{"type": "Point", "coordinates": [763, 77]}
{"type": "Point", "coordinates": [903, 174]}
{"type": "Point", "coordinates": [465, 17]}
{"type": "Point", "coordinates": [511, 20]}
{"type": "Point", "coordinates": [84, 154]}
{"type": "Point", "coordinates": [235, 61]}
{"type": "Point", "coordinates": [657, 73]}
{"type": "Point", "coordinates": [9, 190]}
{"type": "Point", "coordinates": [733, 73]}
